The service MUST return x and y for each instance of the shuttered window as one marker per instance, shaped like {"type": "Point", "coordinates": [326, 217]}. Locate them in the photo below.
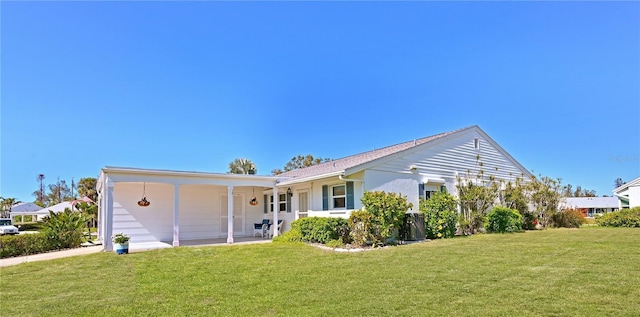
{"type": "Point", "coordinates": [338, 196]}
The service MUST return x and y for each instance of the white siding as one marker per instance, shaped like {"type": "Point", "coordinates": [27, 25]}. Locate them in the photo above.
{"type": "Point", "coordinates": [199, 211]}
{"type": "Point", "coordinates": [634, 196]}
{"type": "Point", "coordinates": [143, 224]}
{"type": "Point", "coordinates": [457, 154]}
{"type": "Point", "coordinates": [405, 184]}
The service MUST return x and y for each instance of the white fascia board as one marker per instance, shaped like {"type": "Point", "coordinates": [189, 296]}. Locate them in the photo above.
{"type": "Point", "coordinates": [241, 179]}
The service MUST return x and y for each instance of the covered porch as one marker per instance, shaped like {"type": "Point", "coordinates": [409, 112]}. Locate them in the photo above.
{"type": "Point", "coordinates": [185, 208]}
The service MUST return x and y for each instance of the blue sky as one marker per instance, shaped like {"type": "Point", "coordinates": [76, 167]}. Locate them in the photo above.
{"type": "Point", "coordinates": [193, 85]}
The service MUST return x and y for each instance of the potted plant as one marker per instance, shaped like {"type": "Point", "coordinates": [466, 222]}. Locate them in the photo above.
{"type": "Point", "coordinates": [121, 243]}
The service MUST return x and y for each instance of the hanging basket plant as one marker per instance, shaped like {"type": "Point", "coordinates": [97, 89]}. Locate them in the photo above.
{"type": "Point", "coordinates": [144, 202]}
{"type": "Point", "coordinates": [254, 200]}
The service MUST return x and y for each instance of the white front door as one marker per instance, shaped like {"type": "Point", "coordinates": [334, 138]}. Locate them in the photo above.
{"type": "Point", "coordinates": [238, 216]}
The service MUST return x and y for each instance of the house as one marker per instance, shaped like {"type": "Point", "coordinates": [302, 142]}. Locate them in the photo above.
{"type": "Point", "coordinates": [24, 209]}
{"type": "Point", "coordinates": [628, 194]}
{"type": "Point", "coordinates": [197, 205]}
{"type": "Point", "coordinates": [589, 206]}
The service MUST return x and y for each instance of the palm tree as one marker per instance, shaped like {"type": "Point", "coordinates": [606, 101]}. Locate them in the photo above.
{"type": "Point", "coordinates": [242, 166]}
{"type": "Point", "coordinates": [6, 204]}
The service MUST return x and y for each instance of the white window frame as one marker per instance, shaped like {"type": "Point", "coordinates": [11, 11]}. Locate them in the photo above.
{"type": "Point", "coordinates": [332, 197]}
{"type": "Point", "coordinates": [281, 203]}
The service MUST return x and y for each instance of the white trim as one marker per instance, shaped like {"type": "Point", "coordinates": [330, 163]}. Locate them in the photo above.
{"type": "Point", "coordinates": [230, 214]}
{"type": "Point", "coordinates": [176, 216]}
{"type": "Point", "coordinates": [275, 212]}
{"type": "Point", "coordinates": [332, 197]}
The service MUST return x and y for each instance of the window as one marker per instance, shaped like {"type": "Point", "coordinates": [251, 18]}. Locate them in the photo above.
{"type": "Point", "coordinates": [428, 193]}
{"type": "Point", "coordinates": [339, 196]}
{"type": "Point", "coordinates": [476, 143]}
{"type": "Point", "coordinates": [282, 202]}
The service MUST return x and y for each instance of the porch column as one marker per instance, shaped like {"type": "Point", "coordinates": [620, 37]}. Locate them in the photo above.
{"type": "Point", "coordinates": [108, 216]}
{"type": "Point", "coordinates": [275, 211]}
{"type": "Point", "coordinates": [229, 214]}
{"type": "Point", "coordinates": [100, 215]}
{"type": "Point", "coordinates": [176, 216]}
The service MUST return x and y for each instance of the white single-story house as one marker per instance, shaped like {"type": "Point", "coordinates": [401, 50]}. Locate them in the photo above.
{"type": "Point", "coordinates": [24, 209]}
{"type": "Point", "coordinates": [589, 206]}
{"type": "Point", "coordinates": [628, 194]}
{"type": "Point", "coordinates": [195, 205]}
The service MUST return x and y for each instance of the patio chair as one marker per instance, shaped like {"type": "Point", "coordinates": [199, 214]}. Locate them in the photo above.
{"type": "Point", "coordinates": [278, 227]}
{"type": "Point", "coordinates": [261, 228]}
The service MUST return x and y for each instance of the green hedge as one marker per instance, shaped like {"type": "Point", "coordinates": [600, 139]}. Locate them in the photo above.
{"type": "Point", "coordinates": [25, 244]}
{"type": "Point", "coordinates": [623, 218]}
{"type": "Point", "coordinates": [320, 229]}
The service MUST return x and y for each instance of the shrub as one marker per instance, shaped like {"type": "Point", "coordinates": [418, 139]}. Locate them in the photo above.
{"type": "Point", "coordinates": [502, 220]}
{"type": "Point", "coordinates": [387, 211]}
{"type": "Point", "coordinates": [570, 218]}
{"type": "Point", "coordinates": [24, 244]}
{"type": "Point", "coordinates": [334, 243]}
{"type": "Point", "coordinates": [440, 215]}
{"type": "Point", "coordinates": [320, 229]}
{"type": "Point", "coordinates": [360, 227]}
{"type": "Point", "coordinates": [291, 236]}
{"type": "Point", "coordinates": [623, 218]}
{"type": "Point", "coordinates": [64, 229]}
{"type": "Point", "coordinates": [31, 226]}
{"type": "Point", "coordinates": [529, 221]}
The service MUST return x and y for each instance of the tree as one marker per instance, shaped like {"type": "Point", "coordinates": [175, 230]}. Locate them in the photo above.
{"type": "Point", "coordinates": [39, 193]}
{"type": "Point", "coordinates": [546, 194]}
{"type": "Point", "coordinates": [6, 204]}
{"type": "Point", "coordinates": [300, 162]}
{"type": "Point", "coordinates": [242, 166]}
{"type": "Point", "coordinates": [58, 193]}
{"type": "Point", "coordinates": [90, 212]}
{"type": "Point", "coordinates": [87, 187]}
{"type": "Point", "coordinates": [477, 196]}
{"type": "Point", "coordinates": [568, 191]}
{"type": "Point", "coordinates": [618, 182]}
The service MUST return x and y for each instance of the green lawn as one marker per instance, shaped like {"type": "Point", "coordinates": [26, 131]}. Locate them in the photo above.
{"type": "Point", "coordinates": [578, 272]}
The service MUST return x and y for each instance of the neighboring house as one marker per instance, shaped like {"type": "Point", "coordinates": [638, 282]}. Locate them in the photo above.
{"type": "Point", "coordinates": [24, 209]}
{"type": "Point", "coordinates": [194, 205]}
{"type": "Point", "coordinates": [628, 194]}
{"type": "Point", "coordinates": [589, 206]}
{"type": "Point", "coordinates": [40, 213]}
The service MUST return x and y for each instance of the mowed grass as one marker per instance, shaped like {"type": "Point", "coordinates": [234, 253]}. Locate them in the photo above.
{"type": "Point", "coordinates": [561, 272]}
